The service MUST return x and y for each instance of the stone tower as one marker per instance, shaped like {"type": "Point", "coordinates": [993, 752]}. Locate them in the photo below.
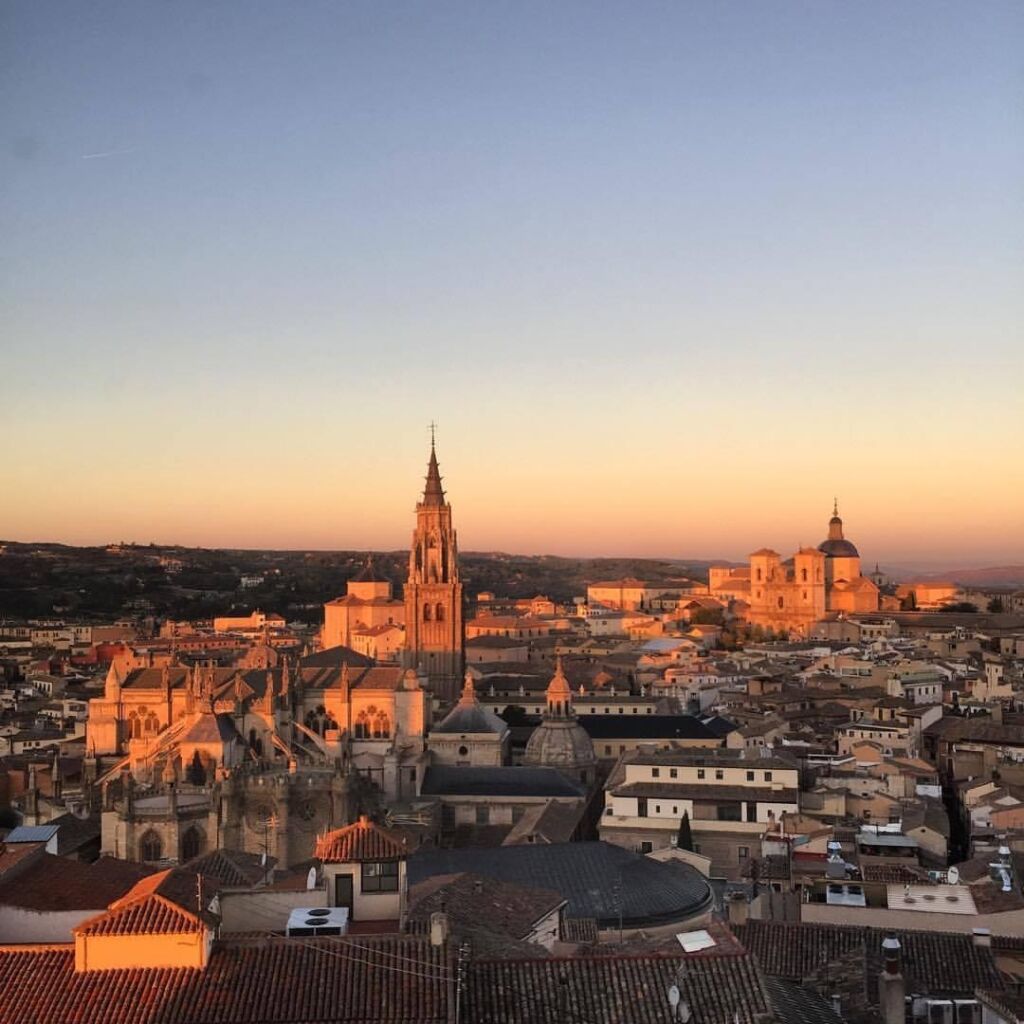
{"type": "Point", "coordinates": [433, 591]}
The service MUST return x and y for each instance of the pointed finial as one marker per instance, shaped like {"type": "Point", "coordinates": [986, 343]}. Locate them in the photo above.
{"type": "Point", "coordinates": [433, 431]}
{"type": "Point", "coordinates": [835, 506]}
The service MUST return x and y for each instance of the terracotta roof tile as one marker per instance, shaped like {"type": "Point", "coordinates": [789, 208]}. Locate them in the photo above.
{"type": "Point", "coordinates": [362, 840]}
{"type": "Point", "coordinates": [385, 980]}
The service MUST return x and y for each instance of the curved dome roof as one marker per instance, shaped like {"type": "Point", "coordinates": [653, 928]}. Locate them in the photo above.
{"type": "Point", "coordinates": [835, 545]}
{"type": "Point", "coordinates": [839, 548]}
{"type": "Point", "coordinates": [560, 743]}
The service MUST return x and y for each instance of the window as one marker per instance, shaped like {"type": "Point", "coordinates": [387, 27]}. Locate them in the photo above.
{"type": "Point", "coordinates": [728, 812]}
{"type": "Point", "coordinates": [426, 613]}
{"type": "Point", "coordinates": [655, 773]}
{"type": "Point", "coordinates": [191, 844]}
{"type": "Point", "coordinates": [673, 773]}
{"type": "Point", "coordinates": [767, 776]}
{"type": "Point", "coordinates": [641, 807]}
{"type": "Point", "coordinates": [646, 847]}
{"type": "Point", "coordinates": [482, 814]}
{"type": "Point", "coordinates": [743, 852]}
{"type": "Point", "coordinates": [657, 808]}
{"type": "Point", "coordinates": [700, 773]}
{"type": "Point", "coordinates": [607, 749]}
{"type": "Point", "coordinates": [380, 876]}
{"type": "Point", "coordinates": [439, 613]}
{"type": "Point", "coordinates": [750, 776]}
{"type": "Point", "coordinates": [151, 848]}
{"type": "Point", "coordinates": [751, 811]}
{"type": "Point", "coordinates": [719, 774]}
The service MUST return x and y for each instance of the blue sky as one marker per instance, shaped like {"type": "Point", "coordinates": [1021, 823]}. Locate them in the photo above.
{"type": "Point", "coordinates": [601, 244]}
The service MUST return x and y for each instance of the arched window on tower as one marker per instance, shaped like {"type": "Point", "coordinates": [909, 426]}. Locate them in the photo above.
{"type": "Point", "coordinates": [191, 844]}
{"type": "Point", "coordinates": [381, 727]}
{"type": "Point", "coordinates": [151, 725]}
{"type": "Point", "coordinates": [758, 575]}
{"type": "Point", "coordinates": [426, 612]}
{"type": "Point", "coordinates": [803, 575]}
{"type": "Point", "coordinates": [781, 603]}
{"type": "Point", "coordinates": [134, 725]}
{"type": "Point", "coordinates": [439, 613]}
{"type": "Point", "coordinates": [150, 847]}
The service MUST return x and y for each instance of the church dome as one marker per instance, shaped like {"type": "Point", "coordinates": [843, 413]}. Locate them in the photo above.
{"type": "Point", "coordinates": [560, 741]}
{"type": "Point", "coordinates": [836, 545]}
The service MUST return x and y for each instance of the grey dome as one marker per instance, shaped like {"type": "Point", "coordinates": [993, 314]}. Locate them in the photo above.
{"type": "Point", "coordinates": [838, 548]}
{"type": "Point", "coordinates": [560, 743]}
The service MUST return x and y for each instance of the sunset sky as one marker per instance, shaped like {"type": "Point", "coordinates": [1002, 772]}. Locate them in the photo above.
{"type": "Point", "coordinates": [668, 276]}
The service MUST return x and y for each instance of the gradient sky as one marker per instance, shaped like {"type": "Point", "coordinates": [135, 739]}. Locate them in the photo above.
{"type": "Point", "coordinates": [668, 276]}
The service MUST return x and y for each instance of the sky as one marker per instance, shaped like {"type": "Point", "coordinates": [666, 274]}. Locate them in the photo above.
{"type": "Point", "coordinates": [668, 276]}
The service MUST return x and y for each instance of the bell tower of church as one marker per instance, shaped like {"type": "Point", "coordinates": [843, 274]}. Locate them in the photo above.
{"type": "Point", "coordinates": [433, 591]}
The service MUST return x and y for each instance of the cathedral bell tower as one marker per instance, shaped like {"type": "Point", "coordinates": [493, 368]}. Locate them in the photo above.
{"type": "Point", "coordinates": [433, 592]}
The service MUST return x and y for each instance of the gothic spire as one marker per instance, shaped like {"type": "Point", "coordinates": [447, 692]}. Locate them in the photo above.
{"type": "Point", "coordinates": [433, 493]}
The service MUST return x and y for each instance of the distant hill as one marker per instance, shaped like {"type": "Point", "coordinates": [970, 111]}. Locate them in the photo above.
{"type": "Point", "coordinates": [994, 576]}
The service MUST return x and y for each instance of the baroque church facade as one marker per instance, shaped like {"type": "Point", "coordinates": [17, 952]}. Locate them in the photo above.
{"type": "Point", "coordinates": [790, 595]}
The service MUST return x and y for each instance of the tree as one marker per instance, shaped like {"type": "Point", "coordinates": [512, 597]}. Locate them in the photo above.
{"type": "Point", "coordinates": [961, 606]}
{"type": "Point", "coordinates": [685, 838]}
{"type": "Point", "coordinates": [996, 605]}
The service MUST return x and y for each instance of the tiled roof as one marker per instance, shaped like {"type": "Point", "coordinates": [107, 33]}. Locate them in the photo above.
{"type": "Point", "coordinates": [473, 902]}
{"type": "Point", "coordinates": [388, 980]}
{"type": "Point", "coordinates": [615, 990]}
{"type": "Point", "coordinates": [937, 961]}
{"type": "Point", "coordinates": [233, 869]}
{"type": "Point", "coordinates": [362, 840]}
{"type": "Point", "coordinates": [53, 884]}
{"type": "Point", "coordinates": [150, 915]}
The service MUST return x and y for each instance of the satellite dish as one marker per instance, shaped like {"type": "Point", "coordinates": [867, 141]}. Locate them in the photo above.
{"type": "Point", "coordinates": [953, 876]}
{"type": "Point", "coordinates": [311, 879]}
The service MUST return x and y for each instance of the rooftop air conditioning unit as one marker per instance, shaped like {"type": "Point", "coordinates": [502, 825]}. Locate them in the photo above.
{"type": "Point", "coordinates": [317, 921]}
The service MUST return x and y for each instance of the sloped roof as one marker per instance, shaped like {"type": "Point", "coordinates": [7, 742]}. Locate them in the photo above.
{"type": "Point", "coordinates": [498, 780]}
{"type": "Point", "coordinates": [363, 840]}
{"type": "Point", "coordinates": [273, 981]}
{"type": "Point", "coordinates": [938, 961]}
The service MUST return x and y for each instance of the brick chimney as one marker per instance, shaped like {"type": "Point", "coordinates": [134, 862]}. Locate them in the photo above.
{"type": "Point", "coordinates": [892, 988]}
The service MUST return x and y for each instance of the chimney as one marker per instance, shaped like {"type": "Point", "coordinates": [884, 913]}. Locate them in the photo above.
{"type": "Point", "coordinates": [892, 988]}
{"type": "Point", "coordinates": [738, 909]}
{"type": "Point", "coordinates": [982, 937]}
{"type": "Point", "coordinates": [438, 928]}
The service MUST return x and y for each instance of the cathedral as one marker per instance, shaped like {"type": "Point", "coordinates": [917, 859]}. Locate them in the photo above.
{"type": "Point", "coordinates": [263, 755]}
{"type": "Point", "coordinates": [188, 759]}
{"type": "Point", "coordinates": [789, 596]}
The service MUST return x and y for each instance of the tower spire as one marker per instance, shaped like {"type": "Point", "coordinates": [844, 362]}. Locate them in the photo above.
{"type": "Point", "coordinates": [433, 493]}
{"type": "Point", "coordinates": [835, 506]}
